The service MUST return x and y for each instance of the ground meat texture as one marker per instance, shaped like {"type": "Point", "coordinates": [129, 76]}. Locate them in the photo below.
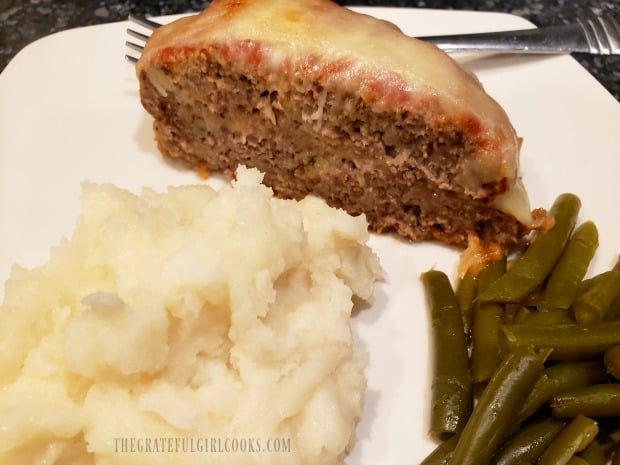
{"type": "Point", "coordinates": [312, 138]}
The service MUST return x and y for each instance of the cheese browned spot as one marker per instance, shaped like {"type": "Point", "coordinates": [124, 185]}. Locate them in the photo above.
{"type": "Point", "coordinates": [330, 102]}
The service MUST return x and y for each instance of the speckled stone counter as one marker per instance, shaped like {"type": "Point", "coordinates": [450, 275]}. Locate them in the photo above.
{"type": "Point", "coordinates": [23, 21]}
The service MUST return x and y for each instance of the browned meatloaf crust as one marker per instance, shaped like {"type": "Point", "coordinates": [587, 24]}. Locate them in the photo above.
{"type": "Point", "coordinates": [401, 165]}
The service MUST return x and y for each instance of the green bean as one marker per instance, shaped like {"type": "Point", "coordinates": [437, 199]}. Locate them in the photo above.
{"type": "Point", "coordinates": [486, 354]}
{"type": "Point", "coordinates": [451, 389]}
{"type": "Point", "coordinates": [614, 311]}
{"type": "Point", "coordinates": [612, 361]}
{"type": "Point", "coordinates": [613, 314]}
{"type": "Point", "coordinates": [530, 442]}
{"type": "Point", "coordinates": [576, 460]}
{"type": "Point", "coordinates": [529, 270]}
{"type": "Point", "coordinates": [558, 378]}
{"type": "Point", "coordinates": [597, 400]}
{"type": "Point", "coordinates": [594, 454]}
{"type": "Point", "coordinates": [583, 286]}
{"type": "Point", "coordinates": [551, 316]}
{"type": "Point", "coordinates": [568, 341]}
{"type": "Point", "coordinates": [511, 311]}
{"type": "Point", "coordinates": [534, 298]}
{"type": "Point", "coordinates": [492, 419]}
{"type": "Point", "coordinates": [487, 321]}
{"type": "Point", "coordinates": [465, 294]}
{"type": "Point", "coordinates": [569, 271]}
{"type": "Point", "coordinates": [575, 437]}
{"type": "Point", "coordinates": [521, 315]}
{"type": "Point", "coordinates": [442, 454]}
{"type": "Point", "coordinates": [596, 301]}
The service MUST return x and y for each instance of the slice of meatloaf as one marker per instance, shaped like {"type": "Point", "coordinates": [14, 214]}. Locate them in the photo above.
{"type": "Point", "coordinates": [330, 102]}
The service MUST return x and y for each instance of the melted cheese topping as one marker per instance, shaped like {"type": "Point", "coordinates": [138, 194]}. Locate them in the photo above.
{"type": "Point", "coordinates": [515, 202]}
{"type": "Point", "coordinates": [371, 56]}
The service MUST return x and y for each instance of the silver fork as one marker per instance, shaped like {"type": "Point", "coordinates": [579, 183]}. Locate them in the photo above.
{"type": "Point", "coordinates": [599, 35]}
{"type": "Point", "coordinates": [146, 24]}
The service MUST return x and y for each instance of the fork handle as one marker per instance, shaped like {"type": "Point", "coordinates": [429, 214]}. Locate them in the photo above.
{"type": "Point", "coordinates": [552, 39]}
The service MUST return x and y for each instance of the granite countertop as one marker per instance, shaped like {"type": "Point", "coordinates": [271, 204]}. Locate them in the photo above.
{"type": "Point", "coordinates": [23, 21]}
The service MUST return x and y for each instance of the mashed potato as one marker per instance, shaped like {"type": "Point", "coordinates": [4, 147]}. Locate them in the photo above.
{"type": "Point", "coordinates": [191, 326]}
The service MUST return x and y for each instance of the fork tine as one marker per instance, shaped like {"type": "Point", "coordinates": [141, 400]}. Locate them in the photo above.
{"type": "Point", "coordinates": [144, 22]}
{"type": "Point", "coordinates": [136, 47]}
{"type": "Point", "coordinates": [137, 35]}
{"type": "Point", "coordinates": [602, 33]}
{"type": "Point", "coordinates": [615, 22]}
{"type": "Point", "coordinates": [611, 26]}
{"type": "Point", "coordinates": [590, 33]}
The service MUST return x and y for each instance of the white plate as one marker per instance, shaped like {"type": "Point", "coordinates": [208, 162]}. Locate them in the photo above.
{"type": "Point", "coordinates": [69, 111]}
